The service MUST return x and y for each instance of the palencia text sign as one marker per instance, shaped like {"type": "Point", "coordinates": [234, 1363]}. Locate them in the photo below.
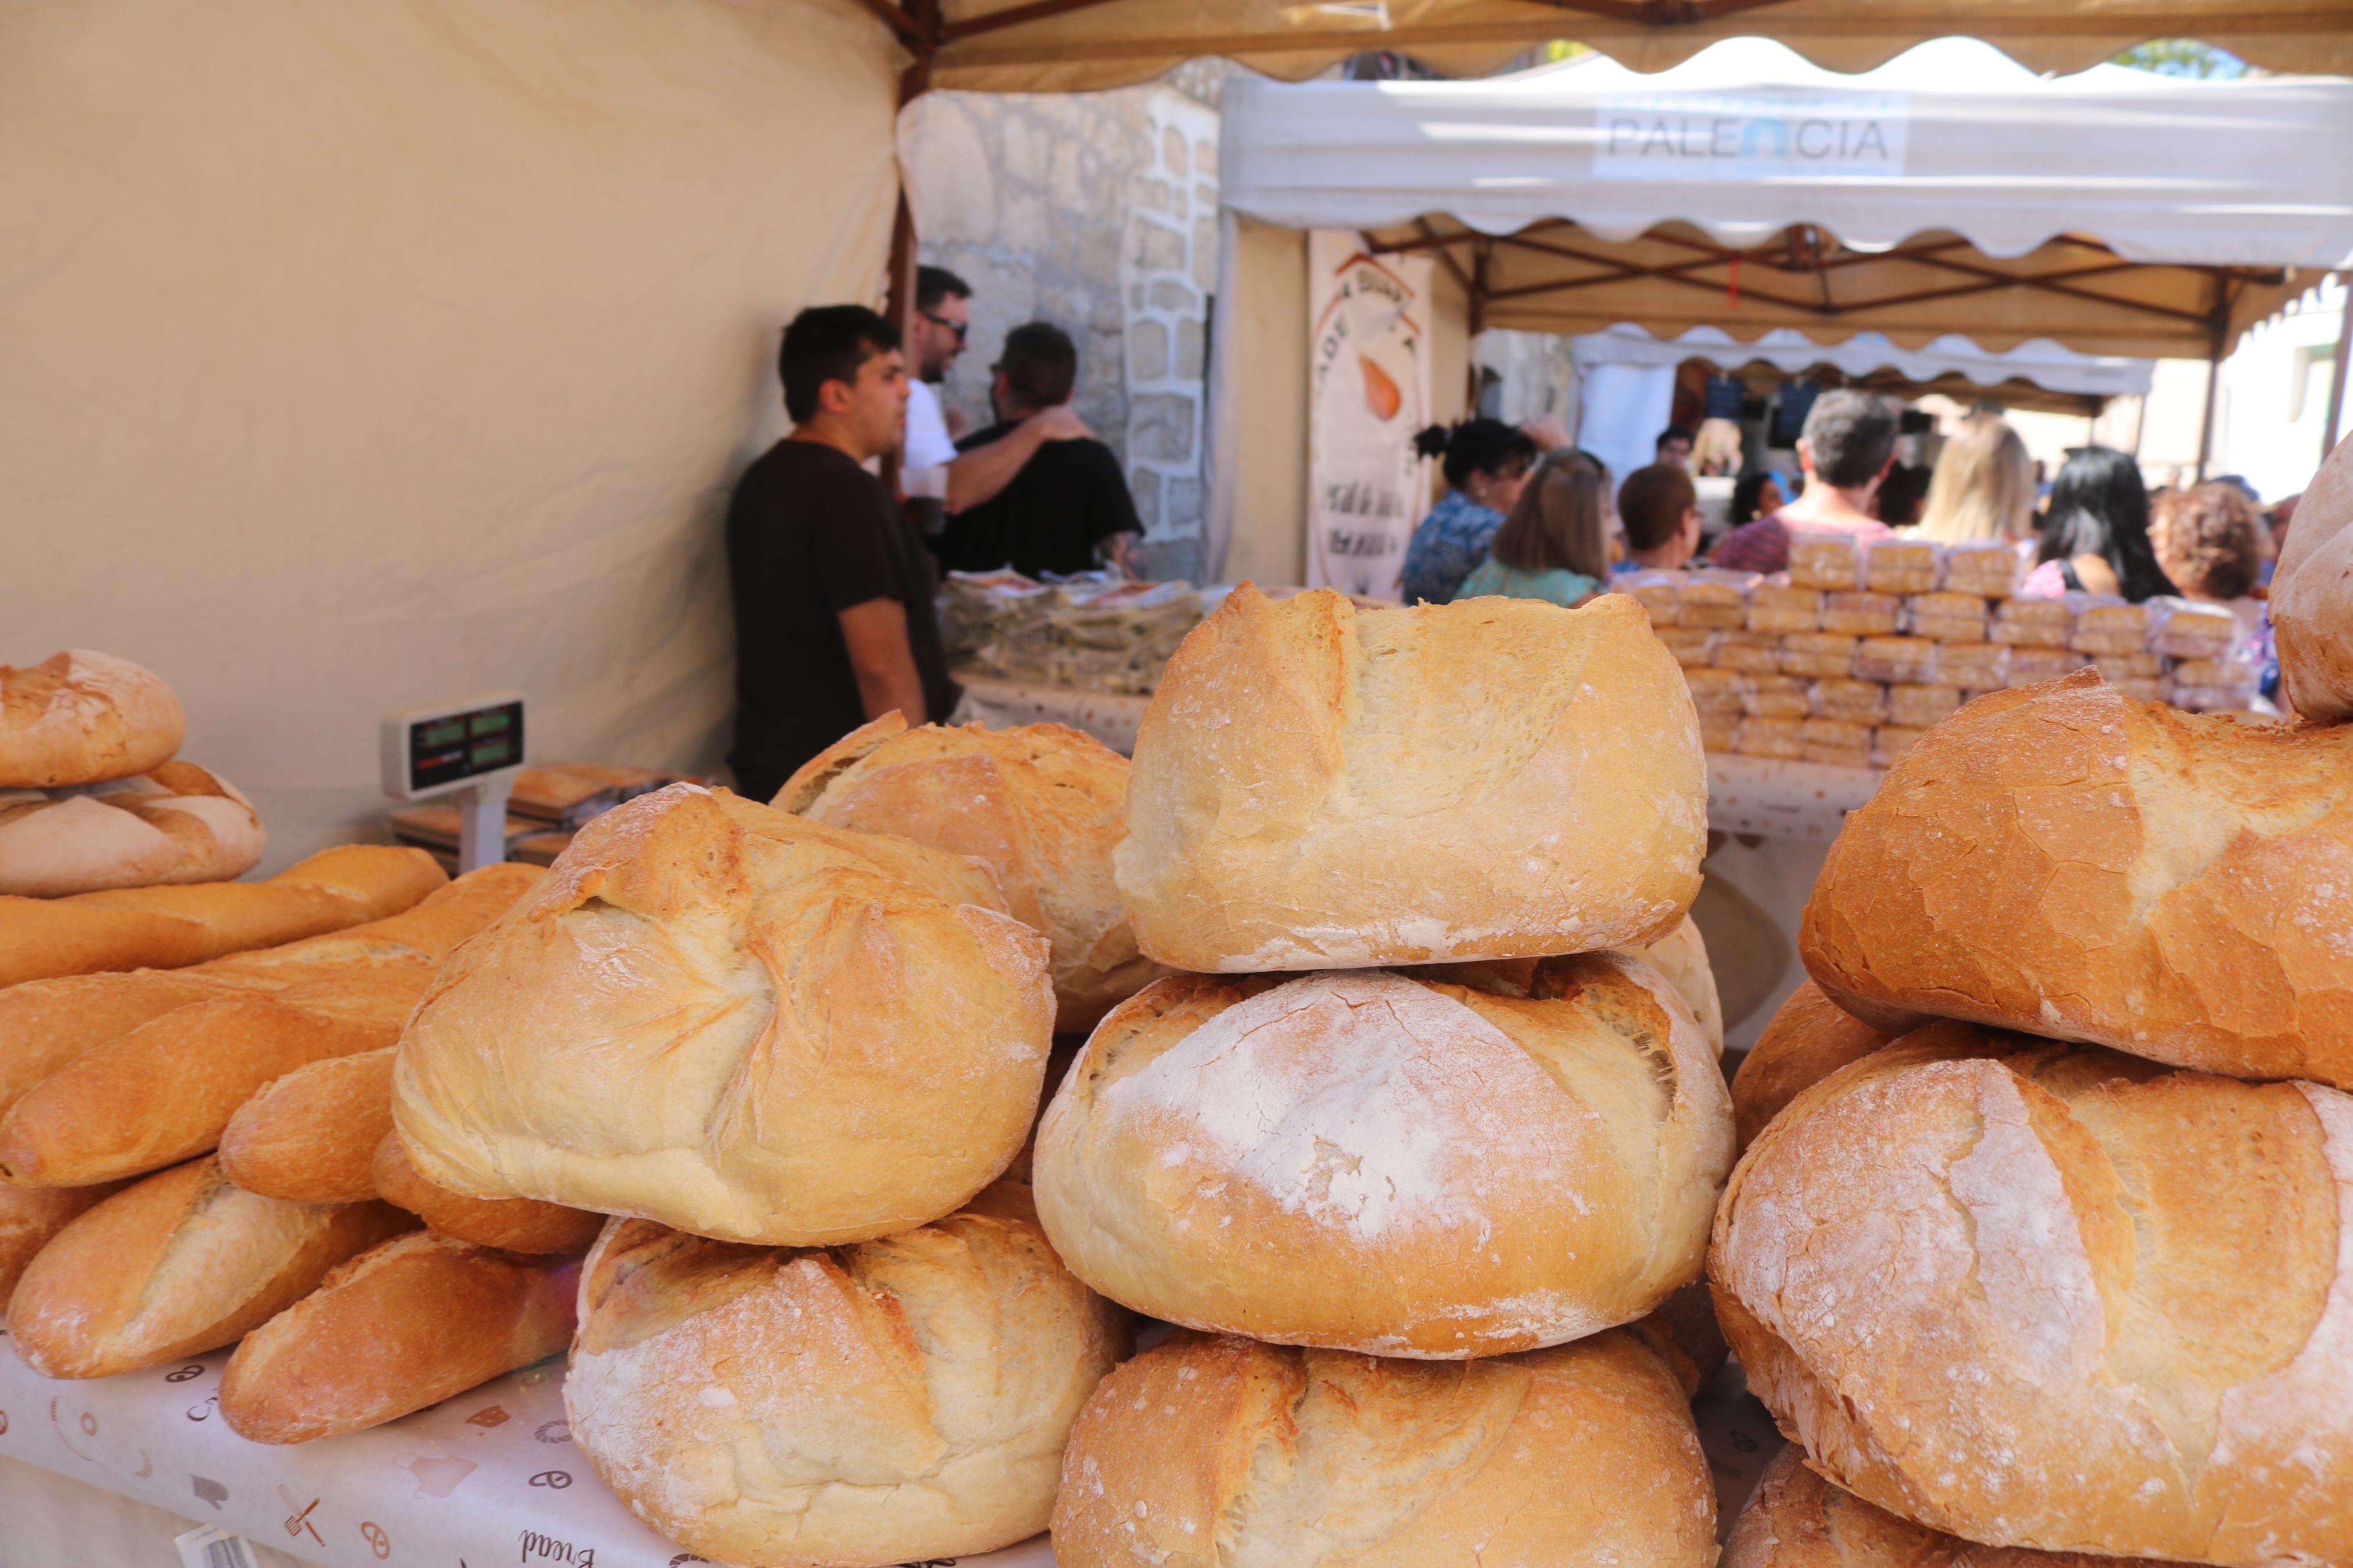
{"type": "Point", "coordinates": [1753, 134]}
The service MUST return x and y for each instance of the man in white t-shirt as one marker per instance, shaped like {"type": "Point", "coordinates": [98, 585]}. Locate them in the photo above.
{"type": "Point", "coordinates": [937, 480]}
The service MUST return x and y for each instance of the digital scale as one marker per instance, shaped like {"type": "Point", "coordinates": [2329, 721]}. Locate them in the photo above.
{"type": "Point", "coordinates": [471, 751]}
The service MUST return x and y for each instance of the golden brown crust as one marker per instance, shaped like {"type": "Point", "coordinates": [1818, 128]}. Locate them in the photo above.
{"type": "Point", "coordinates": [1317, 786]}
{"type": "Point", "coordinates": [311, 1136]}
{"type": "Point", "coordinates": [516, 1225]}
{"type": "Point", "coordinates": [177, 823]}
{"type": "Point", "coordinates": [30, 1217]}
{"type": "Point", "coordinates": [2312, 595]}
{"type": "Point", "coordinates": [2064, 860]}
{"type": "Point", "coordinates": [1456, 1161]}
{"type": "Point", "coordinates": [1209, 1452]}
{"type": "Point", "coordinates": [1043, 806]}
{"type": "Point", "coordinates": [178, 1264]}
{"type": "Point", "coordinates": [79, 717]}
{"type": "Point", "coordinates": [2125, 1297]}
{"type": "Point", "coordinates": [798, 1011]}
{"type": "Point", "coordinates": [407, 1324]}
{"type": "Point", "coordinates": [1806, 1041]}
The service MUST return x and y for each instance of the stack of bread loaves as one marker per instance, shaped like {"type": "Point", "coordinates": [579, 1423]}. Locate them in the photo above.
{"type": "Point", "coordinates": [1404, 1128]}
{"type": "Point", "coordinates": [2046, 1239]}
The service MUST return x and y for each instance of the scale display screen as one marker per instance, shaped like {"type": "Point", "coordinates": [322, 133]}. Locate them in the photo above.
{"type": "Point", "coordinates": [450, 748]}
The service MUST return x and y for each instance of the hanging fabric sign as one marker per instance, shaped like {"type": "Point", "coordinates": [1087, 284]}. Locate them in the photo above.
{"type": "Point", "coordinates": [1367, 393]}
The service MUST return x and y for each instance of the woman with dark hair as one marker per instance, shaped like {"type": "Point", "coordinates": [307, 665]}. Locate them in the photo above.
{"type": "Point", "coordinates": [1555, 544]}
{"type": "Point", "coordinates": [1756, 493]}
{"type": "Point", "coordinates": [2096, 533]}
{"type": "Point", "coordinates": [1486, 463]}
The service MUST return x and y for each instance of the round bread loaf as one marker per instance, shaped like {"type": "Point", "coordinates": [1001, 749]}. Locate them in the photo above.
{"type": "Point", "coordinates": [1317, 786]}
{"type": "Point", "coordinates": [1455, 1162]}
{"type": "Point", "coordinates": [175, 823]}
{"type": "Point", "coordinates": [1681, 956]}
{"type": "Point", "coordinates": [79, 717]}
{"type": "Point", "coordinates": [2312, 595]}
{"type": "Point", "coordinates": [1223, 1452]}
{"type": "Point", "coordinates": [905, 1399]}
{"type": "Point", "coordinates": [1806, 1041]}
{"type": "Point", "coordinates": [1797, 1520]}
{"type": "Point", "coordinates": [734, 1020]}
{"type": "Point", "coordinates": [2055, 1297]}
{"type": "Point", "coordinates": [2064, 860]}
{"type": "Point", "coordinates": [1042, 807]}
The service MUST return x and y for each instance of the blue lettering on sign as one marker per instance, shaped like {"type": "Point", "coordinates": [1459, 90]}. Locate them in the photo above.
{"type": "Point", "coordinates": [1756, 133]}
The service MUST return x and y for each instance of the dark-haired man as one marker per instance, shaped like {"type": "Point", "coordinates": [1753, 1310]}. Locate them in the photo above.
{"type": "Point", "coordinates": [934, 476]}
{"type": "Point", "coordinates": [1846, 450]}
{"type": "Point", "coordinates": [834, 623]}
{"type": "Point", "coordinates": [1660, 507]}
{"type": "Point", "coordinates": [1674, 446]}
{"type": "Point", "coordinates": [1069, 505]}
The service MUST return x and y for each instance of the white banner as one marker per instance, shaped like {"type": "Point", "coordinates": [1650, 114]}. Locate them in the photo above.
{"type": "Point", "coordinates": [1755, 135]}
{"type": "Point", "coordinates": [1367, 393]}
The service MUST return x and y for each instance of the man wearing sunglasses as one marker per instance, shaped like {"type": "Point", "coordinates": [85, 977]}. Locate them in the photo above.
{"type": "Point", "coordinates": [936, 478]}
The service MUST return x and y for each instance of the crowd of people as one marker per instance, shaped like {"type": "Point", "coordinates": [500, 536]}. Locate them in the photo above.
{"type": "Point", "coordinates": [1533, 518]}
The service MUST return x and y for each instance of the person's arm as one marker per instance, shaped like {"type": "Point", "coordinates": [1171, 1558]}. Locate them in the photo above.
{"type": "Point", "coordinates": [978, 475]}
{"type": "Point", "coordinates": [1111, 519]}
{"type": "Point", "coordinates": [885, 662]}
{"type": "Point", "coordinates": [1115, 553]}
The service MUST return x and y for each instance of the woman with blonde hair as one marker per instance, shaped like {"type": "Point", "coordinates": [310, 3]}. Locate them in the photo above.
{"type": "Point", "coordinates": [1983, 489]}
{"type": "Point", "coordinates": [1555, 545]}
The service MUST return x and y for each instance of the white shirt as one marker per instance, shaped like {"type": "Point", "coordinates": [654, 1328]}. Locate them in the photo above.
{"type": "Point", "coordinates": [923, 464]}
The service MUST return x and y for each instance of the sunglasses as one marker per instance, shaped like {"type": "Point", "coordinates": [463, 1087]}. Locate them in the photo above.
{"type": "Point", "coordinates": [961, 328]}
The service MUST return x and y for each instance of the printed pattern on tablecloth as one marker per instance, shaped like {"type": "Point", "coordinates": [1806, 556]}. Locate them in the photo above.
{"type": "Point", "coordinates": [491, 1477]}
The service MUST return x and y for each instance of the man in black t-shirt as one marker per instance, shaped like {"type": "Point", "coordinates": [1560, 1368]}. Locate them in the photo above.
{"type": "Point", "coordinates": [1069, 506]}
{"type": "Point", "coordinates": [834, 623]}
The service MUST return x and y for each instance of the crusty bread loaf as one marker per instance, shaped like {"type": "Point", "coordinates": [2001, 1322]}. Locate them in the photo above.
{"type": "Point", "coordinates": [1681, 956]}
{"type": "Point", "coordinates": [44, 1024]}
{"type": "Point", "coordinates": [2312, 595]}
{"type": "Point", "coordinates": [729, 1018]}
{"type": "Point", "coordinates": [2066, 860]}
{"type": "Point", "coordinates": [2056, 1297]}
{"type": "Point", "coordinates": [1042, 807]}
{"type": "Point", "coordinates": [897, 1399]}
{"type": "Point", "coordinates": [166, 1089]}
{"type": "Point", "coordinates": [1808, 1038]}
{"type": "Point", "coordinates": [79, 717]}
{"type": "Point", "coordinates": [29, 1217]}
{"type": "Point", "coordinates": [311, 1136]}
{"type": "Point", "coordinates": [514, 1225]}
{"type": "Point", "coordinates": [1459, 1161]}
{"type": "Point", "coordinates": [172, 927]}
{"type": "Point", "coordinates": [1221, 1453]}
{"type": "Point", "coordinates": [1317, 786]}
{"type": "Point", "coordinates": [179, 1264]}
{"type": "Point", "coordinates": [404, 1325]}
{"type": "Point", "coordinates": [175, 823]}
{"type": "Point", "coordinates": [1797, 1520]}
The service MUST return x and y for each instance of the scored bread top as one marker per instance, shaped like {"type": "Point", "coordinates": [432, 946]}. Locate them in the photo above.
{"type": "Point", "coordinates": [1320, 786]}
{"type": "Point", "coordinates": [80, 717]}
{"type": "Point", "coordinates": [2066, 860]}
{"type": "Point", "coordinates": [2058, 1297]}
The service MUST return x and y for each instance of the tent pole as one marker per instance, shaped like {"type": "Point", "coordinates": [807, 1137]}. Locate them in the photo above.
{"type": "Point", "coordinates": [2336, 368]}
{"type": "Point", "coordinates": [913, 82]}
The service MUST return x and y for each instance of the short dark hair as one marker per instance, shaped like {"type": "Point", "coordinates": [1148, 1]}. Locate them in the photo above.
{"type": "Point", "coordinates": [1674, 433]}
{"type": "Point", "coordinates": [1040, 363]}
{"type": "Point", "coordinates": [1480, 446]}
{"type": "Point", "coordinates": [1851, 434]}
{"type": "Point", "coordinates": [1652, 504]}
{"type": "Point", "coordinates": [933, 284]}
{"type": "Point", "coordinates": [828, 343]}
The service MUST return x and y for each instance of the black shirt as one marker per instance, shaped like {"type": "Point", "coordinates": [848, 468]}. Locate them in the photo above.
{"type": "Point", "coordinates": [809, 534]}
{"type": "Point", "coordinates": [1067, 498]}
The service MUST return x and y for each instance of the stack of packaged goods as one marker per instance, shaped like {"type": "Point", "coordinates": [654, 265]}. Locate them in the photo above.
{"type": "Point", "coordinates": [1100, 632]}
{"type": "Point", "coordinates": [1850, 654]}
{"type": "Point", "coordinates": [994, 623]}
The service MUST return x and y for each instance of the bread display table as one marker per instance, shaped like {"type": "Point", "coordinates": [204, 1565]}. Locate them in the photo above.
{"type": "Point", "coordinates": [1110, 717]}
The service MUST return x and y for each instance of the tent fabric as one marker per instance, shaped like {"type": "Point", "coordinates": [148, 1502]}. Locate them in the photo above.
{"type": "Point", "coordinates": [2040, 362]}
{"type": "Point", "coordinates": [1021, 46]}
{"type": "Point", "coordinates": [363, 356]}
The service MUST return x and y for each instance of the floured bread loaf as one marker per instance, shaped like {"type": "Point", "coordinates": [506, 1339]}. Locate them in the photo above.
{"type": "Point", "coordinates": [2056, 1297]}
{"type": "Point", "coordinates": [905, 1399]}
{"type": "Point", "coordinates": [737, 1021]}
{"type": "Point", "coordinates": [30, 1217]}
{"type": "Point", "coordinates": [1042, 807]}
{"type": "Point", "coordinates": [1681, 956]}
{"type": "Point", "coordinates": [2068, 861]}
{"type": "Point", "coordinates": [1223, 1453]}
{"type": "Point", "coordinates": [1808, 1038]}
{"type": "Point", "coordinates": [2312, 595]}
{"type": "Point", "coordinates": [175, 823]}
{"type": "Point", "coordinates": [79, 717]}
{"type": "Point", "coordinates": [1460, 1161]}
{"type": "Point", "coordinates": [1797, 1520]}
{"type": "Point", "coordinates": [1319, 786]}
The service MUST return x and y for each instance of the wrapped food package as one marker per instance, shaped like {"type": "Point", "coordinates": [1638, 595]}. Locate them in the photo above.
{"type": "Point", "coordinates": [1751, 653]}
{"type": "Point", "coordinates": [1659, 593]}
{"type": "Point", "coordinates": [1903, 566]}
{"type": "Point", "coordinates": [1817, 654]}
{"type": "Point", "coordinates": [2142, 665]}
{"type": "Point", "coordinates": [1896, 658]}
{"type": "Point", "coordinates": [1837, 743]}
{"type": "Point", "coordinates": [2212, 672]}
{"type": "Point", "coordinates": [1890, 742]}
{"type": "Point", "coordinates": [1976, 666]}
{"type": "Point", "coordinates": [1718, 599]}
{"type": "Point", "coordinates": [1855, 702]}
{"type": "Point", "coordinates": [1691, 646]}
{"type": "Point", "coordinates": [1777, 697]}
{"type": "Point", "coordinates": [1714, 688]}
{"type": "Point", "coordinates": [2032, 665]}
{"type": "Point", "coordinates": [1779, 607]}
{"type": "Point", "coordinates": [2034, 623]}
{"type": "Point", "coordinates": [2197, 631]}
{"type": "Point", "coordinates": [1782, 738]}
{"type": "Point", "coordinates": [1915, 707]}
{"type": "Point", "coordinates": [1947, 617]}
{"type": "Point", "coordinates": [1991, 569]}
{"type": "Point", "coordinates": [2149, 689]}
{"type": "Point", "coordinates": [1719, 729]}
{"type": "Point", "coordinates": [1858, 614]}
{"type": "Point", "coordinates": [1824, 560]}
{"type": "Point", "coordinates": [2106, 626]}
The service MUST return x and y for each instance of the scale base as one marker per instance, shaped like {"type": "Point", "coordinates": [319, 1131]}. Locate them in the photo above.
{"type": "Point", "coordinates": [482, 822]}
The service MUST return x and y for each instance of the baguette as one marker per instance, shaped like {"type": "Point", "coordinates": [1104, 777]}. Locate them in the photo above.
{"type": "Point", "coordinates": [166, 1089]}
{"type": "Point", "coordinates": [29, 1218]}
{"type": "Point", "coordinates": [311, 1136]}
{"type": "Point", "coordinates": [181, 1263]}
{"type": "Point", "coordinates": [45, 1023]}
{"type": "Point", "coordinates": [405, 1325]}
{"type": "Point", "coordinates": [173, 927]}
{"type": "Point", "coordinates": [516, 1225]}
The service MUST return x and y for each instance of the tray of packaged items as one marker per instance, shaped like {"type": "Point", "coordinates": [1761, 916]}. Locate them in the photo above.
{"type": "Point", "coordinates": [1098, 632]}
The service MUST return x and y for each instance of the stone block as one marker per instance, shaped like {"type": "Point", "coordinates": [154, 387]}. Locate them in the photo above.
{"type": "Point", "coordinates": [1151, 196]}
{"type": "Point", "coordinates": [1168, 294]}
{"type": "Point", "coordinates": [1206, 193]}
{"type": "Point", "coordinates": [960, 186]}
{"type": "Point", "coordinates": [1025, 149]}
{"type": "Point", "coordinates": [1069, 191]}
{"type": "Point", "coordinates": [1160, 427]}
{"type": "Point", "coordinates": [1174, 152]}
{"type": "Point", "coordinates": [1144, 484]}
{"type": "Point", "coordinates": [1157, 249]}
{"type": "Point", "coordinates": [1022, 223]}
{"type": "Point", "coordinates": [1204, 158]}
{"type": "Point", "coordinates": [1189, 357]}
{"type": "Point", "coordinates": [1205, 252]}
{"type": "Point", "coordinates": [1148, 350]}
{"type": "Point", "coordinates": [1183, 508]}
